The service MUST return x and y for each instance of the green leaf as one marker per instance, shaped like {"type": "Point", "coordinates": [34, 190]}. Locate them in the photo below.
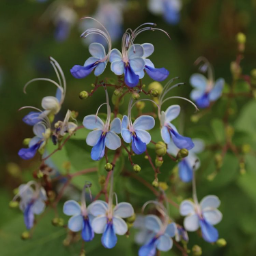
{"type": "Point", "coordinates": [218, 130]}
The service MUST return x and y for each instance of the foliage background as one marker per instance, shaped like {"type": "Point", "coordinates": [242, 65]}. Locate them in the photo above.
{"type": "Point", "coordinates": [207, 28]}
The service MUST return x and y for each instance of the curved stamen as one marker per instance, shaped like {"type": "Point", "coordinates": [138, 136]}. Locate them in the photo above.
{"type": "Point", "coordinates": [167, 90]}
{"type": "Point", "coordinates": [83, 197]}
{"type": "Point", "coordinates": [32, 182]}
{"type": "Point", "coordinates": [209, 67]}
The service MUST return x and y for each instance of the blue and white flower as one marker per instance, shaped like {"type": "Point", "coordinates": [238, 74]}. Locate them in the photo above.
{"type": "Point", "coordinates": [180, 233]}
{"type": "Point", "coordinates": [189, 163]}
{"type": "Point", "coordinates": [103, 134]}
{"type": "Point", "coordinates": [32, 118]}
{"type": "Point", "coordinates": [42, 134]}
{"type": "Point", "coordinates": [203, 215]}
{"type": "Point", "coordinates": [81, 219]}
{"type": "Point", "coordinates": [32, 201]}
{"type": "Point", "coordinates": [157, 74]}
{"type": "Point", "coordinates": [170, 9]}
{"type": "Point", "coordinates": [206, 90]}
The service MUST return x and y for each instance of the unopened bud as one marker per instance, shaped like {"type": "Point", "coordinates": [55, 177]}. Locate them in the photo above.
{"type": "Point", "coordinates": [241, 38]}
{"type": "Point", "coordinates": [137, 168]}
{"type": "Point", "coordinates": [253, 73]}
{"type": "Point", "coordinates": [51, 117]}
{"type": "Point", "coordinates": [211, 176]}
{"type": "Point", "coordinates": [82, 253]}
{"type": "Point", "coordinates": [194, 118]}
{"type": "Point", "coordinates": [163, 186]}
{"type": "Point", "coordinates": [66, 242]}
{"type": "Point", "coordinates": [66, 165]}
{"type": "Point", "coordinates": [40, 174]}
{"type": "Point", "coordinates": [61, 222]}
{"type": "Point", "coordinates": [235, 69]}
{"type": "Point", "coordinates": [83, 95]}
{"type": "Point", "coordinates": [131, 219]}
{"type": "Point", "coordinates": [218, 161]}
{"type": "Point", "coordinates": [25, 235]}
{"type": "Point", "coordinates": [230, 131]}
{"type": "Point", "coordinates": [13, 204]}
{"type": "Point", "coordinates": [221, 242]}
{"type": "Point", "coordinates": [57, 124]}
{"type": "Point", "coordinates": [154, 93]}
{"type": "Point", "coordinates": [182, 153]}
{"type": "Point", "coordinates": [146, 157]}
{"type": "Point", "coordinates": [140, 105]}
{"type": "Point", "coordinates": [13, 169]}
{"type": "Point", "coordinates": [26, 141]}
{"type": "Point", "coordinates": [196, 250]}
{"type": "Point", "coordinates": [160, 148]}
{"type": "Point", "coordinates": [159, 161]}
{"type": "Point", "coordinates": [51, 195]}
{"type": "Point", "coordinates": [246, 148]}
{"type": "Point", "coordinates": [118, 92]}
{"type": "Point", "coordinates": [108, 167]}
{"type": "Point", "coordinates": [156, 86]}
{"type": "Point", "coordinates": [93, 85]}
{"type": "Point", "coordinates": [135, 95]}
{"type": "Point", "coordinates": [155, 183]}
{"type": "Point", "coordinates": [55, 222]}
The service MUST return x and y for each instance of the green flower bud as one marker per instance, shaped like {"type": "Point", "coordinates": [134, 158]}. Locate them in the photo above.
{"type": "Point", "coordinates": [25, 235]}
{"type": "Point", "coordinates": [146, 157]}
{"type": "Point", "coordinates": [218, 161]}
{"type": "Point", "coordinates": [83, 95]}
{"type": "Point", "coordinates": [131, 219]}
{"type": "Point", "coordinates": [55, 222]}
{"type": "Point", "coordinates": [253, 73]}
{"type": "Point", "coordinates": [163, 186]}
{"type": "Point", "coordinates": [26, 141]}
{"type": "Point", "coordinates": [246, 148]}
{"type": "Point", "coordinates": [196, 250]}
{"type": "Point", "coordinates": [13, 169]}
{"type": "Point", "coordinates": [230, 131]}
{"type": "Point", "coordinates": [108, 167]}
{"type": "Point", "coordinates": [118, 92]}
{"type": "Point", "coordinates": [136, 168]}
{"type": "Point", "coordinates": [154, 93]}
{"type": "Point", "coordinates": [51, 195]}
{"type": "Point", "coordinates": [156, 86]}
{"type": "Point", "coordinates": [41, 151]}
{"type": "Point", "coordinates": [135, 95]}
{"type": "Point", "coordinates": [13, 204]}
{"type": "Point", "coordinates": [155, 183]}
{"type": "Point", "coordinates": [61, 222]}
{"type": "Point", "coordinates": [40, 174]}
{"type": "Point", "coordinates": [241, 38]}
{"type": "Point", "coordinates": [82, 253]}
{"type": "Point", "coordinates": [66, 242]}
{"type": "Point", "coordinates": [129, 225]}
{"type": "Point", "coordinates": [182, 153]}
{"type": "Point", "coordinates": [159, 162]}
{"type": "Point", "coordinates": [160, 148]}
{"type": "Point", "coordinates": [194, 118]}
{"type": "Point", "coordinates": [93, 85]}
{"type": "Point", "coordinates": [211, 176]}
{"type": "Point", "coordinates": [221, 242]}
{"type": "Point", "coordinates": [140, 105]}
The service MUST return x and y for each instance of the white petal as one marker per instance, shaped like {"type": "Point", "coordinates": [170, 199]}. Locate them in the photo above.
{"type": "Point", "coordinates": [137, 64]}
{"type": "Point", "coordinates": [198, 146]}
{"type": "Point", "coordinates": [115, 125]}
{"type": "Point", "coordinates": [149, 63]}
{"type": "Point", "coordinates": [143, 135]}
{"type": "Point", "coordinates": [39, 129]}
{"type": "Point", "coordinates": [90, 61]}
{"type": "Point", "coordinates": [172, 112]}
{"type": "Point", "coordinates": [148, 49]}
{"type": "Point", "coordinates": [38, 206]}
{"type": "Point", "coordinates": [144, 123]}
{"type": "Point", "coordinates": [93, 137]}
{"type": "Point", "coordinates": [187, 207]}
{"type": "Point", "coordinates": [115, 55]}
{"type": "Point", "coordinates": [99, 224]}
{"type": "Point", "coordinates": [198, 81]}
{"type": "Point", "coordinates": [153, 223]}
{"type": "Point", "coordinates": [165, 135]}
{"type": "Point", "coordinates": [164, 243]}
{"type": "Point", "coordinates": [191, 223]}
{"type": "Point", "coordinates": [100, 68]}
{"type": "Point", "coordinates": [34, 141]}
{"type": "Point", "coordinates": [123, 210]}
{"type": "Point", "coordinates": [155, 6]}
{"type": "Point", "coordinates": [126, 135]}
{"type": "Point", "coordinates": [171, 229]}
{"type": "Point", "coordinates": [172, 149]}
{"type": "Point", "coordinates": [196, 94]}
{"type": "Point", "coordinates": [135, 51]}
{"type": "Point", "coordinates": [112, 141]}
{"type": "Point", "coordinates": [216, 91]}
{"type": "Point", "coordinates": [120, 226]}
{"type": "Point", "coordinates": [97, 50]}
{"type": "Point", "coordinates": [51, 103]}
{"type": "Point", "coordinates": [117, 67]}
{"type": "Point", "coordinates": [92, 122]}
{"type": "Point", "coordinates": [210, 202]}
{"type": "Point", "coordinates": [212, 216]}
{"type": "Point", "coordinates": [98, 208]}
{"type": "Point", "coordinates": [71, 207]}
{"type": "Point", "coordinates": [76, 223]}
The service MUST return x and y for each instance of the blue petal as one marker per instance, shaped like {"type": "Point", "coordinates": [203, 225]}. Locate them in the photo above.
{"type": "Point", "coordinates": [130, 78]}
{"type": "Point", "coordinates": [203, 101]}
{"type": "Point", "coordinates": [28, 153]}
{"type": "Point", "coordinates": [137, 64]}
{"type": "Point", "coordinates": [117, 67]}
{"type": "Point", "coordinates": [165, 135]}
{"type": "Point", "coordinates": [210, 234]}
{"type": "Point", "coordinates": [181, 141]}
{"type": "Point", "coordinates": [71, 207]}
{"type": "Point", "coordinates": [148, 49]}
{"type": "Point", "coordinates": [31, 118]}
{"type": "Point", "coordinates": [185, 171]}
{"type": "Point", "coordinates": [148, 249]}
{"type": "Point", "coordinates": [97, 50]}
{"type": "Point", "coordinates": [138, 146]}
{"type": "Point", "coordinates": [92, 122]}
{"type": "Point", "coordinates": [115, 55]}
{"type": "Point", "coordinates": [87, 232]}
{"type": "Point", "coordinates": [135, 51]}
{"type": "Point", "coordinates": [127, 136]}
{"type": "Point", "coordinates": [170, 230]}
{"type": "Point", "coordinates": [62, 31]}
{"type": "Point", "coordinates": [157, 74]}
{"type": "Point", "coordinates": [144, 122]}
{"type": "Point", "coordinates": [171, 15]}
{"type": "Point", "coordinates": [98, 150]}
{"type": "Point", "coordinates": [215, 93]}
{"type": "Point", "coordinates": [100, 68]}
{"type": "Point", "coordinates": [125, 122]}
{"type": "Point", "coordinates": [198, 81]}
{"type": "Point", "coordinates": [164, 243]}
{"type": "Point", "coordinates": [109, 238]}
{"type": "Point", "coordinates": [76, 223]}
{"type": "Point", "coordinates": [113, 141]}
{"type": "Point", "coordinates": [59, 93]}
{"type": "Point", "coordinates": [29, 216]}
{"type": "Point", "coordinates": [115, 125]}
{"type": "Point", "coordinates": [80, 71]}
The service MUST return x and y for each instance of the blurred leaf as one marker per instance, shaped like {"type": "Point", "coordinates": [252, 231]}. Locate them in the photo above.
{"type": "Point", "coordinates": [218, 130]}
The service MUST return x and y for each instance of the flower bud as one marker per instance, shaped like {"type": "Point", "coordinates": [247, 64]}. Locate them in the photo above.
{"type": "Point", "coordinates": [146, 157]}
{"type": "Point", "coordinates": [93, 85]}
{"type": "Point", "coordinates": [163, 186]}
{"type": "Point", "coordinates": [40, 174]}
{"type": "Point", "coordinates": [108, 167]}
{"type": "Point", "coordinates": [51, 195]}
{"type": "Point", "coordinates": [118, 92]}
{"type": "Point", "coordinates": [196, 250]}
{"type": "Point", "coordinates": [235, 70]}
{"type": "Point", "coordinates": [159, 161]}
{"type": "Point", "coordinates": [66, 242]}
{"type": "Point", "coordinates": [140, 105]}
{"type": "Point", "coordinates": [51, 117]}
{"type": "Point", "coordinates": [102, 180]}
{"type": "Point", "coordinates": [194, 118]}
{"type": "Point", "coordinates": [211, 176]}
{"type": "Point", "coordinates": [160, 148]}
{"type": "Point", "coordinates": [155, 183]}
{"type": "Point", "coordinates": [242, 168]}
{"type": "Point", "coordinates": [253, 73]}
{"type": "Point", "coordinates": [182, 153]}
{"type": "Point", "coordinates": [230, 131]}
{"type": "Point", "coordinates": [221, 242]}
{"type": "Point", "coordinates": [14, 170]}
{"type": "Point", "coordinates": [57, 124]}
{"type": "Point", "coordinates": [218, 161]}
{"type": "Point", "coordinates": [55, 222]}
{"type": "Point", "coordinates": [26, 141]}
{"type": "Point", "coordinates": [25, 235]}
{"type": "Point", "coordinates": [83, 95]}
{"type": "Point", "coordinates": [61, 222]}
{"type": "Point", "coordinates": [154, 93]}
{"type": "Point", "coordinates": [136, 168]}
{"type": "Point", "coordinates": [246, 148]}
{"type": "Point", "coordinates": [82, 253]}
{"type": "Point", "coordinates": [66, 165]}
{"type": "Point", "coordinates": [135, 95]}
{"type": "Point", "coordinates": [156, 86]}
{"type": "Point", "coordinates": [241, 38]}
{"type": "Point", "coordinates": [13, 204]}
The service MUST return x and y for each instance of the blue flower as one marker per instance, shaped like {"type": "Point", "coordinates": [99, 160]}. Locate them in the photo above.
{"type": "Point", "coordinates": [205, 90]}
{"type": "Point", "coordinates": [170, 9]}
{"type": "Point", "coordinates": [180, 233]}
{"type": "Point", "coordinates": [31, 202]}
{"type": "Point", "coordinates": [97, 62]}
{"type": "Point", "coordinates": [136, 132]}
{"type": "Point", "coordinates": [169, 131]}
{"type": "Point", "coordinates": [187, 164]}
{"type": "Point", "coordinates": [157, 74]}
{"type": "Point", "coordinates": [159, 236]}
{"type": "Point", "coordinates": [42, 135]}
{"type": "Point", "coordinates": [32, 118]}
{"type": "Point", "coordinates": [80, 219]}
{"type": "Point", "coordinates": [108, 221]}
{"type": "Point", "coordinates": [130, 63]}
{"type": "Point", "coordinates": [203, 215]}
{"type": "Point", "coordinates": [103, 135]}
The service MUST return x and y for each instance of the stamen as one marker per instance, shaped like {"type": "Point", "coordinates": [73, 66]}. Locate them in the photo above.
{"type": "Point", "coordinates": [208, 65]}
{"type": "Point", "coordinates": [167, 90]}
{"type": "Point", "coordinates": [26, 187]}
{"type": "Point", "coordinates": [83, 197]}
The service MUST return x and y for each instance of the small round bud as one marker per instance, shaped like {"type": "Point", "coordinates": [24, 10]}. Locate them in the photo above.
{"type": "Point", "coordinates": [253, 73]}
{"type": "Point", "coordinates": [82, 253]}
{"type": "Point", "coordinates": [135, 95]}
{"type": "Point", "coordinates": [154, 93]}
{"type": "Point", "coordinates": [108, 167]}
{"type": "Point", "coordinates": [211, 176]}
{"type": "Point", "coordinates": [246, 148]}
{"type": "Point", "coordinates": [140, 105]}
{"type": "Point", "coordinates": [196, 250]}
{"type": "Point", "coordinates": [13, 204]}
{"type": "Point", "coordinates": [25, 235]}
{"type": "Point", "coordinates": [221, 242]}
{"type": "Point", "coordinates": [194, 118]}
{"type": "Point", "coordinates": [160, 148]}
{"type": "Point", "coordinates": [235, 69]}
{"type": "Point", "coordinates": [155, 183]}
{"type": "Point", "coordinates": [51, 195]}
{"type": "Point", "coordinates": [40, 174]}
{"type": "Point", "coordinates": [136, 168]}
{"type": "Point", "coordinates": [241, 38]}
{"type": "Point", "coordinates": [55, 222]}
{"type": "Point", "coordinates": [61, 222]}
{"type": "Point", "coordinates": [218, 161]}
{"type": "Point", "coordinates": [230, 131]}
{"type": "Point", "coordinates": [163, 186]}
{"type": "Point", "coordinates": [13, 169]}
{"type": "Point", "coordinates": [57, 124]}
{"type": "Point", "coordinates": [118, 92]}
{"type": "Point", "coordinates": [26, 141]}
{"type": "Point", "coordinates": [131, 219]}
{"type": "Point", "coordinates": [83, 95]}
{"type": "Point", "coordinates": [156, 86]}
{"type": "Point", "coordinates": [182, 153]}
{"type": "Point", "coordinates": [66, 242]}
{"type": "Point", "coordinates": [93, 85]}
{"type": "Point", "coordinates": [129, 225]}
{"type": "Point", "coordinates": [159, 161]}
